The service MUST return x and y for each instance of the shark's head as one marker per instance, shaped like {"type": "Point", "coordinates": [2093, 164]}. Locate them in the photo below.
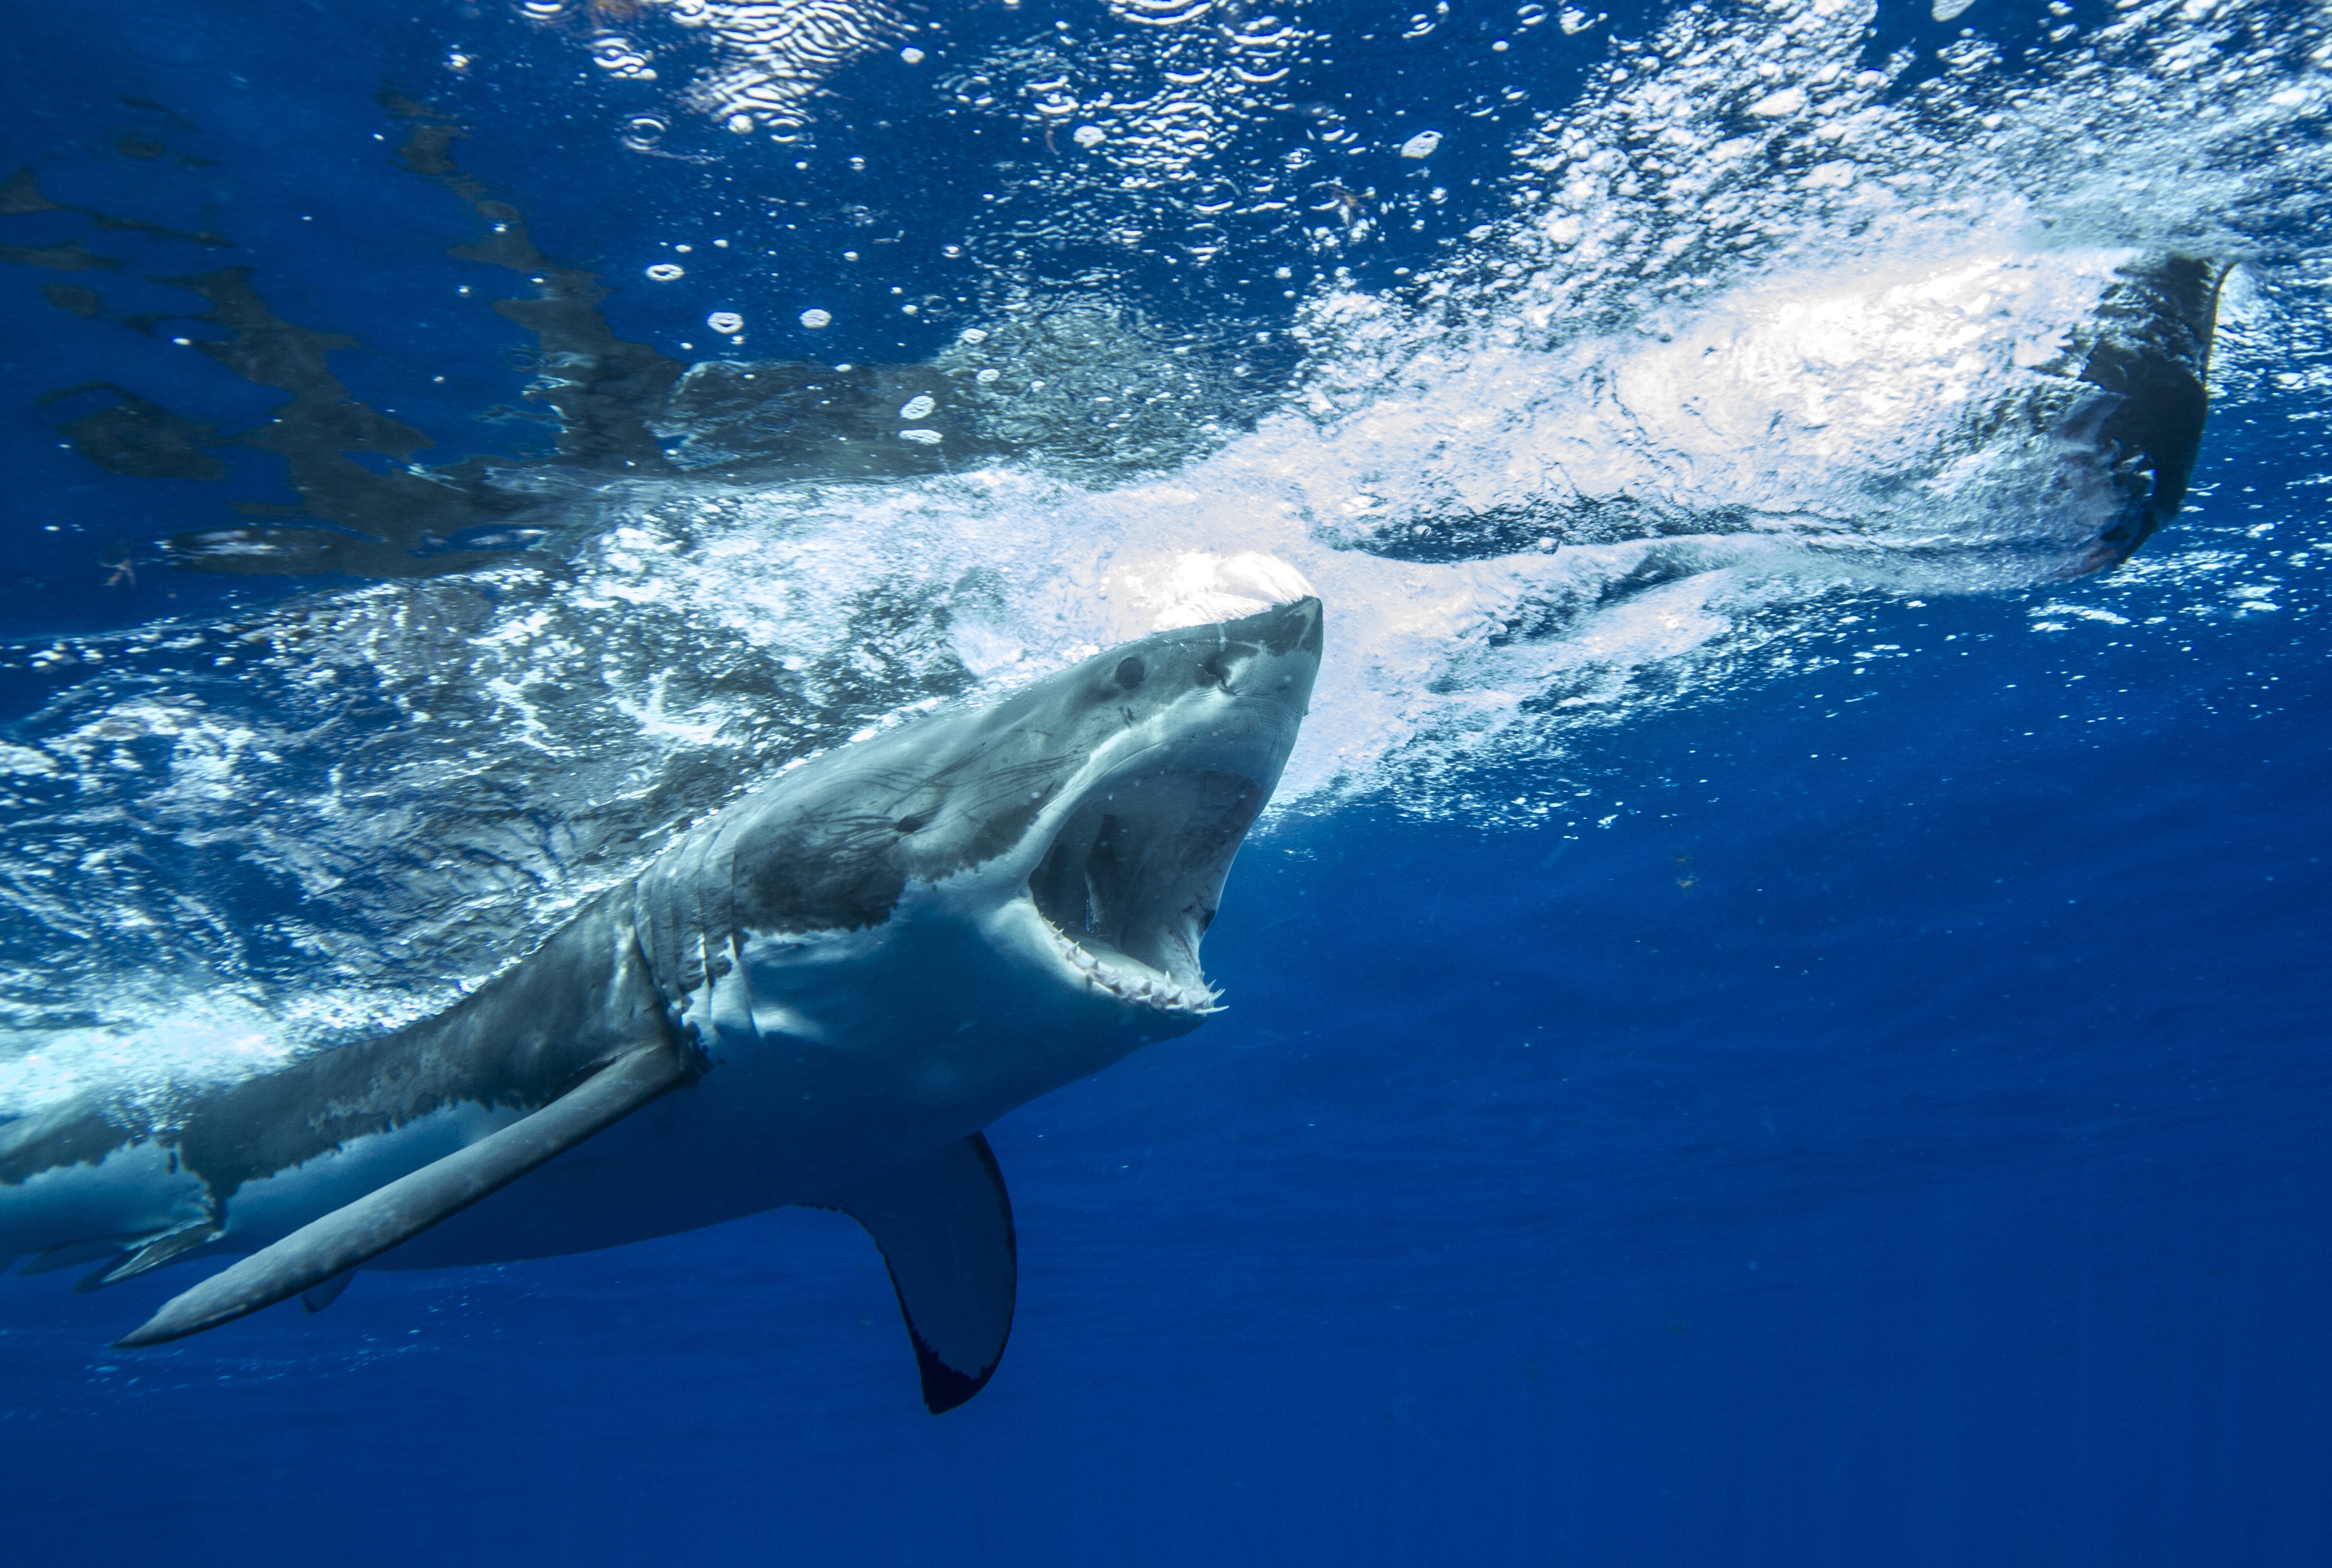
{"type": "Point", "coordinates": [1068, 844]}
{"type": "Point", "coordinates": [1173, 745]}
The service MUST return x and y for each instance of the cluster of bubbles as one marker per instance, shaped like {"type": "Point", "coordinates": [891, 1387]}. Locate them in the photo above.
{"type": "Point", "coordinates": [1159, 117]}
{"type": "Point", "coordinates": [769, 57]}
{"type": "Point", "coordinates": [1741, 136]}
{"type": "Point", "coordinates": [774, 53]}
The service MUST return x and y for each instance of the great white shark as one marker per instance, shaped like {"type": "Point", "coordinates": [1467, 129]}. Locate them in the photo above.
{"type": "Point", "coordinates": [819, 996]}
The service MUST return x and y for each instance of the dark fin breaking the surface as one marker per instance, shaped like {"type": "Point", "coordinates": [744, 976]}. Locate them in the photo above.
{"type": "Point", "coordinates": [370, 1226]}
{"type": "Point", "coordinates": [944, 1226]}
{"type": "Point", "coordinates": [317, 1297]}
{"type": "Point", "coordinates": [2152, 361]}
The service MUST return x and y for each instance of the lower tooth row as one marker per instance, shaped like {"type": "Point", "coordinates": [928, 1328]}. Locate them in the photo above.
{"type": "Point", "coordinates": [1135, 988]}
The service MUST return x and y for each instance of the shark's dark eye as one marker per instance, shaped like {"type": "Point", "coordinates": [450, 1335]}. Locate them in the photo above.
{"type": "Point", "coordinates": [909, 824]}
{"type": "Point", "coordinates": [1130, 673]}
{"type": "Point", "coordinates": [1211, 672]}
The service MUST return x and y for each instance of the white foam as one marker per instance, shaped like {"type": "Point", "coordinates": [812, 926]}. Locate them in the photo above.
{"type": "Point", "coordinates": [1201, 588]}
{"type": "Point", "coordinates": [136, 1066]}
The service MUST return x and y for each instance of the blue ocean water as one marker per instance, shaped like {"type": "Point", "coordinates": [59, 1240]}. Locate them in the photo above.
{"type": "Point", "coordinates": [1776, 1017]}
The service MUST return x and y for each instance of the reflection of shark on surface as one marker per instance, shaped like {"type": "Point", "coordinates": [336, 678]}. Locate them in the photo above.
{"type": "Point", "coordinates": [622, 410]}
{"type": "Point", "coordinates": [1764, 407]}
{"type": "Point", "coordinates": [819, 996]}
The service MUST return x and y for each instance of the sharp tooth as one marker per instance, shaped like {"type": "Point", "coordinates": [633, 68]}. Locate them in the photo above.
{"type": "Point", "coordinates": [1081, 957]}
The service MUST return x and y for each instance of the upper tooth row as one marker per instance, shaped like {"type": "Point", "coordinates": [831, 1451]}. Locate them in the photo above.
{"type": "Point", "coordinates": [1137, 988]}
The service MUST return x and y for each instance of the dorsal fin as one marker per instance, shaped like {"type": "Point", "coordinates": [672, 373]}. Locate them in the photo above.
{"type": "Point", "coordinates": [944, 1224]}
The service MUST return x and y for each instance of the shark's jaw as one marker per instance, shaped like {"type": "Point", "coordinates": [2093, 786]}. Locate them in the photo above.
{"type": "Point", "coordinates": [1133, 878]}
{"type": "Point", "coordinates": [1123, 873]}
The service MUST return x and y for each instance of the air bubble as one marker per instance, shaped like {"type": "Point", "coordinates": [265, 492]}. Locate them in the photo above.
{"type": "Point", "coordinates": [814, 320]}
{"type": "Point", "coordinates": [725, 321]}
{"type": "Point", "coordinates": [1422, 144]}
{"type": "Point", "coordinates": [667, 273]}
{"type": "Point", "coordinates": [918, 407]}
{"type": "Point", "coordinates": [621, 58]}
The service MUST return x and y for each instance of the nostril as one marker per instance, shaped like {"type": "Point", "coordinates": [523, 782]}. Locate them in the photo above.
{"type": "Point", "coordinates": [1131, 673]}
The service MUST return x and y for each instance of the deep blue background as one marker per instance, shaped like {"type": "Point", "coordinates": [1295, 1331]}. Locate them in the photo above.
{"type": "Point", "coordinates": [1898, 1138]}
{"type": "Point", "coordinates": [1938, 1179]}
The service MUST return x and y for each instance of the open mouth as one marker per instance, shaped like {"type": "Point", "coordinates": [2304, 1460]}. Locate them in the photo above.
{"type": "Point", "coordinates": [1131, 882]}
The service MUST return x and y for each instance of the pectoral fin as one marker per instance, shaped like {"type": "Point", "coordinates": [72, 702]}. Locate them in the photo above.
{"type": "Point", "coordinates": [370, 1226]}
{"type": "Point", "coordinates": [944, 1224]}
